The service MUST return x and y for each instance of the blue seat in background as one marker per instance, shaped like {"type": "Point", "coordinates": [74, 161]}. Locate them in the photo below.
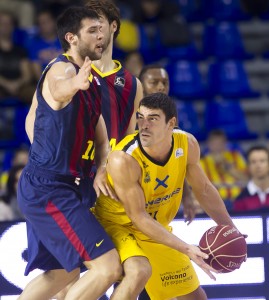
{"type": "Point", "coordinates": [228, 115]}
{"type": "Point", "coordinates": [150, 47]}
{"type": "Point", "coordinates": [224, 41]}
{"type": "Point", "coordinates": [230, 79]}
{"type": "Point", "coordinates": [183, 52]}
{"type": "Point", "coordinates": [186, 81]}
{"type": "Point", "coordinates": [193, 10]}
{"type": "Point", "coordinates": [226, 10]}
{"type": "Point", "coordinates": [188, 120]}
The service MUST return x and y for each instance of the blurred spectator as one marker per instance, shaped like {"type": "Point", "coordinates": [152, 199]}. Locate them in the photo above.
{"type": "Point", "coordinates": [134, 62]}
{"type": "Point", "coordinates": [20, 157]}
{"type": "Point", "coordinates": [15, 73]}
{"type": "Point", "coordinates": [163, 18]}
{"type": "Point", "coordinates": [256, 195]}
{"type": "Point", "coordinates": [23, 10]}
{"type": "Point", "coordinates": [154, 78]}
{"type": "Point", "coordinates": [44, 46]}
{"type": "Point", "coordinates": [128, 39]}
{"type": "Point", "coordinates": [57, 6]}
{"type": "Point", "coordinates": [225, 166]}
{"type": "Point", "coordinates": [9, 199]}
{"type": "Point", "coordinates": [6, 213]}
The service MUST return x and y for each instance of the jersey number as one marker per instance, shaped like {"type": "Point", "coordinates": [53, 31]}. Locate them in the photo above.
{"type": "Point", "coordinates": [154, 214]}
{"type": "Point", "coordinates": [89, 153]}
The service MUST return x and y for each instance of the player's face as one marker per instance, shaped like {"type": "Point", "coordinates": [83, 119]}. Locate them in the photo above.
{"type": "Point", "coordinates": [107, 31]}
{"type": "Point", "coordinates": [258, 164]}
{"type": "Point", "coordinates": [90, 39]}
{"type": "Point", "coordinates": [153, 130]}
{"type": "Point", "coordinates": [155, 81]}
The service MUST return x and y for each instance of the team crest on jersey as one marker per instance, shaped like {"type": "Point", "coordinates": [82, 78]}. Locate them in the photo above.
{"type": "Point", "coordinates": [179, 152]}
{"type": "Point", "coordinates": [119, 81]}
{"type": "Point", "coordinates": [147, 177]}
{"type": "Point", "coordinates": [97, 80]}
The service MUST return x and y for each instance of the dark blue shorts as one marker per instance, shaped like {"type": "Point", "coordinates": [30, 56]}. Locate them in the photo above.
{"type": "Point", "coordinates": [62, 233]}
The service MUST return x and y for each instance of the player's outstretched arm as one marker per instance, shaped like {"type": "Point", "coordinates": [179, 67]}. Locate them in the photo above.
{"type": "Point", "coordinates": [63, 82]}
{"type": "Point", "coordinates": [126, 173]}
{"type": "Point", "coordinates": [204, 191]}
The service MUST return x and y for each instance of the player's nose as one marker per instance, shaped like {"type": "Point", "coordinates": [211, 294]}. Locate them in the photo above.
{"type": "Point", "coordinates": [161, 87]}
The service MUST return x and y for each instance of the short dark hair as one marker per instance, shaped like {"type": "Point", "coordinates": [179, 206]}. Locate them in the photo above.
{"type": "Point", "coordinates": [148, 67]}
{"type": "Point", "coordinates": [71, 21]}
{"type": "Point", "coordinates": [257, 148]}
{"type": "Point", "coordinates": [160, 101]}
{"type": "Point", "coordinates": [108, 9]}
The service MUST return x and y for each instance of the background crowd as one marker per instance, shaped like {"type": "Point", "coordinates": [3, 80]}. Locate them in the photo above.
{"type": "Point", "coordinates": [216, 56]}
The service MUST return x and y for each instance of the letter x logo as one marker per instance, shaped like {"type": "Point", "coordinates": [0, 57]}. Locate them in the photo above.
{"type": "Point", "coordinates": [161, 182]}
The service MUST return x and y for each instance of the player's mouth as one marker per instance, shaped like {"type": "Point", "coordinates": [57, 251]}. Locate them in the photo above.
{"type": "Point", "coordinates": [145, 134]}
{"type": "Point", "coordinates": [99, 47]}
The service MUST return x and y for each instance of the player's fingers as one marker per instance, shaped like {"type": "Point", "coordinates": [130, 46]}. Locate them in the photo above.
{"type": "Point", "coordinates": [201, 254]}
{"type": "Point", "coordinates": [111, 193]}
{"type": "Point", "coordinates": [97, 190]}
{"type": "Point", "coordinates": [86, 64]}
{"type": "Point", "coordinates": [209, 273]}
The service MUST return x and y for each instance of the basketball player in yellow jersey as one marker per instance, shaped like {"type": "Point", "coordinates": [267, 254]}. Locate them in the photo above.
{"type": "Point", "coordinates": [147, 171]}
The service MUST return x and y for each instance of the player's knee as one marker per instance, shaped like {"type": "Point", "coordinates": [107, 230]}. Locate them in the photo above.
{"type": "Point", "coordinates": [138, 270]}
{"type": "Point", "coordinates": [109, 266]}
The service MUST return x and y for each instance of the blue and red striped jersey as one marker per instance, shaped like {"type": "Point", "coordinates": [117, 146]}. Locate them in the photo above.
{"type": "Point", "coordinates": [118, 94]}
{"type": "Point", "coordinates": [64, 139]}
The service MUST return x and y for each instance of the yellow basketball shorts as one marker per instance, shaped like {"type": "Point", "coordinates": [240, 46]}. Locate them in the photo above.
{"type": "Point", "coordinates": [172, 272]}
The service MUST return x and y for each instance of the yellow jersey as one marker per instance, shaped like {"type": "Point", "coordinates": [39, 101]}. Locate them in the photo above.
{"type": "Point", "coordinates": [162, 182]}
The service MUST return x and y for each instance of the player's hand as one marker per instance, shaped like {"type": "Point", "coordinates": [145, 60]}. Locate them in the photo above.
{"type": "Point", "coordinates": [82, 78]}
{"type": "Point", "coordinates": [196, 255]}
{"type": "Point", "coordinates": [189, 210]}
{"type": "Point", "coordinates": [101, 185]}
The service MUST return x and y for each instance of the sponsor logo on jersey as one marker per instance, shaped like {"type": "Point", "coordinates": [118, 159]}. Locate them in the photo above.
{"type": "Point", "coordinates": [119, 81]}
{"type": "Point", "coordinates": [162, 199]}
{"type": "Point", "coordinates": [161, 182]}
{"type": "Point", "coordinates": [179, 152]}
{"type": "Point", "coordinates": [97, 80]}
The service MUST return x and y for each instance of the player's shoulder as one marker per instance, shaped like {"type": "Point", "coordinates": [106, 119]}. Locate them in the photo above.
{"type": "Point", "coordinates": [128, 143]}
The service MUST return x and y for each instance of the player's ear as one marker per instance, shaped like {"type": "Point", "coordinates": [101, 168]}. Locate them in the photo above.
{"type": "Point", "coordinates": [71, 38]}
{"type": "Point", "coordinates": [172, 123]}
{"type": "Point", "coordinates": [114, 26]}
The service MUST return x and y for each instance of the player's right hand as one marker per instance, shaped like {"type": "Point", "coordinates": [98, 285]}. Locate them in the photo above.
{"type": "Point", "coordinates": [82, 78]}
{"type": "Point", "coordinates": [196, 255]}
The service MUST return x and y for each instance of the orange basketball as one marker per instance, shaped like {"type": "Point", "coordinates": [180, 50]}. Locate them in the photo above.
{"type": "Point", "coordinates": [226, 247]}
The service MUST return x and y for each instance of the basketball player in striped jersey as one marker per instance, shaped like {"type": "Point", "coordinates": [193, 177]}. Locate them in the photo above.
{"type": "Point", "coordinates": [147, 171]}
{"type": "Point", "coordinates": [121, 91]}
{"type": "Point", "coordinates": [63, 236]}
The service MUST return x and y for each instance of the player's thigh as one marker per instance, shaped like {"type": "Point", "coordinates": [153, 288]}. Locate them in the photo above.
{"type": "Point", "coordinates": [123, 239]}
{"type": "Point", "coordinates": [107, 262]}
